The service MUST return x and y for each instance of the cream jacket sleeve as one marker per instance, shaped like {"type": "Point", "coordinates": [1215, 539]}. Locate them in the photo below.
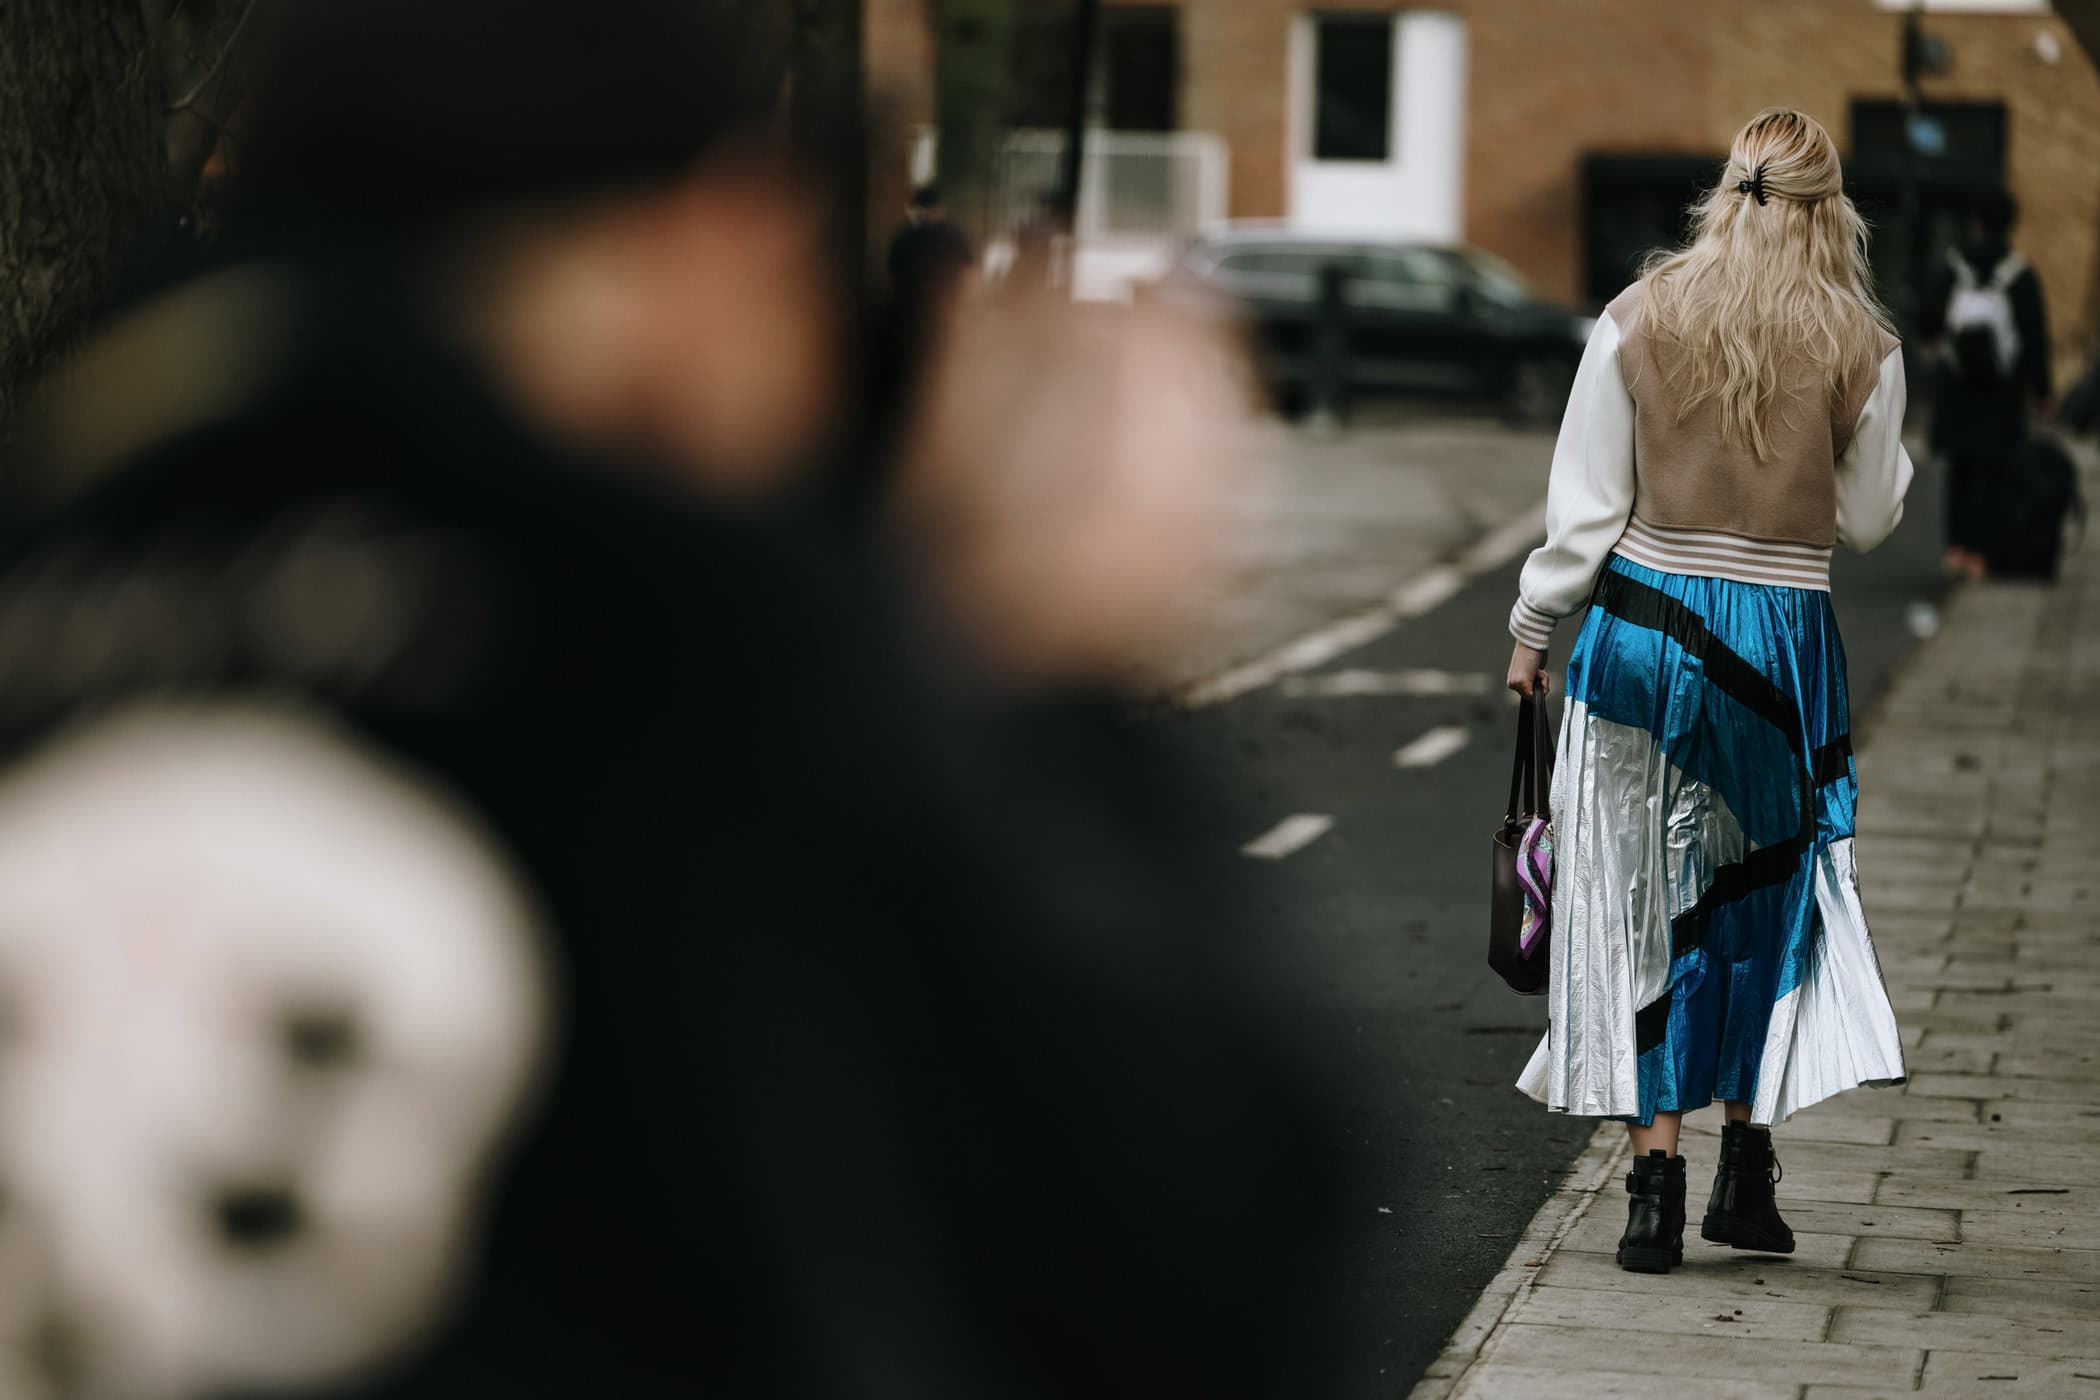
{"type": "Point", "coordinates": [1875, 472]}
{"type": "Point", "coordinates": [1589, 497]}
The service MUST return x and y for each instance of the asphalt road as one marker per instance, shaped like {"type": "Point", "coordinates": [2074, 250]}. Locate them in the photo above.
{"type": "Point", "coordinates": [1388, 910]}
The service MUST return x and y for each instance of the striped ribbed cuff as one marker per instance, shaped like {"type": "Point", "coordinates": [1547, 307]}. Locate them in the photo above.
{"type": "Point", "coordinates": [1530, 626]}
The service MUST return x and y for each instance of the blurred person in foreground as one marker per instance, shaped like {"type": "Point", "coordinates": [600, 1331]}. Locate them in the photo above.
{"type": "Point", "coordinates": [493, 902]}
{"type": "Point", "coordinates": [1986, 307]}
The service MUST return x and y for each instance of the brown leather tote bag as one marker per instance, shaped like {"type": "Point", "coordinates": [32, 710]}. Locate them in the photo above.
{"type": "Point", "coordinates": [1530, 783]}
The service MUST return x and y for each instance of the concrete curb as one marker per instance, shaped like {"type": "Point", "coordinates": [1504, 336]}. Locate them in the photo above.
{"type": "Point", "coordinates": [1475, 1337]}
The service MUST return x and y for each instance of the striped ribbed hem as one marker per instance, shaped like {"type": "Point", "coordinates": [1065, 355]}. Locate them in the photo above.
{"type": "Point", "coordinates": [1530, 626]}
{"type": "Point", "coordinates": [1714, 554]}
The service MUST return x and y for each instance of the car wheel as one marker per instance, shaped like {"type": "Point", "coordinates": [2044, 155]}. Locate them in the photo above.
{"type": "Point", "coordinates": [1537, 393]}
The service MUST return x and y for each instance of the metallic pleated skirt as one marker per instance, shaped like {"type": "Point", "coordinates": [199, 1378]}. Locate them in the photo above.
{"type": "Point", "coordinates": [1708, 941]}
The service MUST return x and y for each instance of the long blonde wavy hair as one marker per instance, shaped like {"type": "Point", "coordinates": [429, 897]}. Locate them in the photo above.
{"type": "Point", "coordinates": [1776, 271]}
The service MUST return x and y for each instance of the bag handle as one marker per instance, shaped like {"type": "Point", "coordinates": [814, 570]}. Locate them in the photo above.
{"type": "Point", "coordinates": [1541, 763]}
{"type": "Point", "coordinates": [1520, 784]}
{"type": "Point", "coordinates": [1531, 770]}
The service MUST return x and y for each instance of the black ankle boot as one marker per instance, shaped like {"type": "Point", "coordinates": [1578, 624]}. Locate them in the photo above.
{"type": "Point", "coordinates": [1744, 1210]}
{"type": "Point", "coordinates": [1654, 1238]}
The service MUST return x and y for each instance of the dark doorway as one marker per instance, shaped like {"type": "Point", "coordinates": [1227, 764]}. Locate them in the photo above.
{"type": "Point", "coordinates": [1040, 96]}
{"type": "Point", "coordinates": [1957, 154]}
{"type": "Point", "coordinates": [1631, 206]}
{"type": "Point", "coordinates": [1141, 68]}
{"type": "Point", "coordinates": [1353, 88]}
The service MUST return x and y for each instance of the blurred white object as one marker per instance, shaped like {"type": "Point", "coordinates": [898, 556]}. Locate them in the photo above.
{"type": "Point", "coordinates": [267, 1006]}
{"type": "Point", "coordinates": [1923, 619]}
{"type": "Point", "coordinates": [1142, 196]}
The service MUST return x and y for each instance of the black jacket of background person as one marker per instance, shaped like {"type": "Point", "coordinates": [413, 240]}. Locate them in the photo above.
{"type": "Point", "coordinates": [907, 1050]}
{"type": "Point", "coordinates": [1989, 420]}
{"type": "Point", "coordinates": [926, 258]}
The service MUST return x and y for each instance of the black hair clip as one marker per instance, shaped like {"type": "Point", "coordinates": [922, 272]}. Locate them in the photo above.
{"type": "Point", "coordinates": [1754, 186]}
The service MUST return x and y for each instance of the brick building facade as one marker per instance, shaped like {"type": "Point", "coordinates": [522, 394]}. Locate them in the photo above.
{"type": "Point", "coordinates": [1555, 90]}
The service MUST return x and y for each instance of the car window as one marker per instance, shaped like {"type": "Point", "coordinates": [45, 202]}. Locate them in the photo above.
{"type": "Point", "coordinates": [1406, 279]}
{"type": "Point", "coordinates": [1284, 274]}
{"type": "Point", "coordinates": [1266, 261]}
{"type": "Point", "coordinates": [1496, 280]}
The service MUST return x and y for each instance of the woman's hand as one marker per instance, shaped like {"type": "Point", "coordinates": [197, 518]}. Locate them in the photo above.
{"type": "Point", "coordinates": [1527, 671]}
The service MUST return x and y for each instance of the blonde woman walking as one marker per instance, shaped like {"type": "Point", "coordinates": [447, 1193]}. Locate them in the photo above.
{"type": "Point", "coordinates": [1738, 413]}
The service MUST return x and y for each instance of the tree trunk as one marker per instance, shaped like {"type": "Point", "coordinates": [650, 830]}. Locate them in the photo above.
{"type": "Point", "coordinates": [83, 169]}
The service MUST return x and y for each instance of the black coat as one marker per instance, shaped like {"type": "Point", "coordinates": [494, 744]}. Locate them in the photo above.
{"type": "Point", "coordinates": [926, 259]}
{"type": "Point", "coordinates": [910, 1047]}
{"type": "Point", "coordinates": [1989, 419]}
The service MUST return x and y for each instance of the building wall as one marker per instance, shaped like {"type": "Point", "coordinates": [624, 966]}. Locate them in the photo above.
{"type": "Point", "coordinates": [899, 48]}
{"type": "Point", "coordinates": [1820, 57]}
{"type": "Point", "coordinates": [1418, 191]}
{"type": "Point", "coordinates": [899, 42]}
{"type": "Point", "coordinates": [1553, 80]}
{"type": "Point", "coordinates": [1237, 83]}
{"type": "Point", "coordinates": [1550, 81]}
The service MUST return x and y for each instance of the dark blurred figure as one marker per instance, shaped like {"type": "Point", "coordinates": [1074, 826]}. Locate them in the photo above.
{"type": "Point", "coordinates": [929, 257]}
{"type": "Point", "coordinates": [2081, 406]}
{"type": "Point", "coordinates": [931, 266]}
{"type": "Point", "coordinates": [906, 1036]}
{"type": "Point", "coordinates": [1987, 306]}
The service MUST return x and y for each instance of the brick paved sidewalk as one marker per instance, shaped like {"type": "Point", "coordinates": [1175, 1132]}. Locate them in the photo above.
{"type": "Point", "coordinates": [1949, 1232]}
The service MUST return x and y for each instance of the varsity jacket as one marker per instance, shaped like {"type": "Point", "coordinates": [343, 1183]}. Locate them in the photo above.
{"type": "Point", "coordinates": [1633, 473]}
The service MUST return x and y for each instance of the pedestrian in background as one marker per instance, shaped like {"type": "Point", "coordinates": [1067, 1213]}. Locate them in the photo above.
{"type": "Point", "coordinates": [1738, 412]}
{"type": "Point", "coordinates": [931, 266]}
{"type": "Point", "coordinates": [1986, 306]}
{"type": "Point", "coordinates": [929, 258]}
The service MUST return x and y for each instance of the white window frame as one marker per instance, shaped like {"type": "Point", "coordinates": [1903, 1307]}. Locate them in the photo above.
{"type": "Point", "coordinates": [1438, 293]}
{"type": "Point", "coordinates": [1418, 192]}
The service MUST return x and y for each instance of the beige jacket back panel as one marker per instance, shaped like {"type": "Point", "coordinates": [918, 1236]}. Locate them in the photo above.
{"type": "Point", "coordinates": [1689, 477]}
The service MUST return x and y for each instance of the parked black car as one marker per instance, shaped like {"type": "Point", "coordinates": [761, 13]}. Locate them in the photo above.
{"type": "Point", "coordinates": [1419, 319]}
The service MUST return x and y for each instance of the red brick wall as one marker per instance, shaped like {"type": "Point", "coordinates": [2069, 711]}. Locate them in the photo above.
{"type": "Point", "coordinates": [899, 41]}
{"type": "Point", "coordinates": [899, 47]}
{"type": "Point", "coordinates": [1552, 82]}
{"type": "Point", "coordinates": [1549, 81]}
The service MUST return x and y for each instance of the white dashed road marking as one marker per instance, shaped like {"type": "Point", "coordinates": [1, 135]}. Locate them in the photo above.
{"type": "Point", "coordinates": [1434, 747]}
{"type": "Point", "coordinates": [1417, 597]}
{"type": "Point", "coordinates": [1337, 685]}
{"type": "Point", "coordinates": [1427, 592]}
{"type": "Point", "coordinates": [1287, 836]}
